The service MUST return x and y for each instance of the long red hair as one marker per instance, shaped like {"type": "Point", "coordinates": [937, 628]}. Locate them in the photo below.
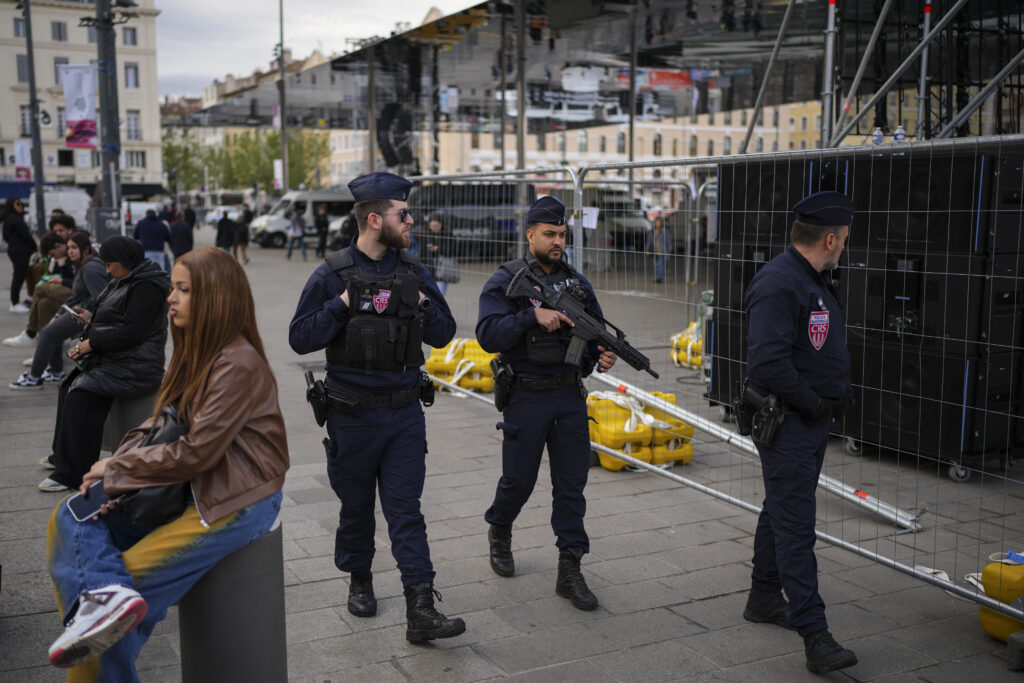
{"type": "Point", "coordinates": [221, 307]}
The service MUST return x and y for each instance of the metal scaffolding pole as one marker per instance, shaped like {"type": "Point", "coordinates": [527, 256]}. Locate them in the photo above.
{"type": "Point", "coordinates": [521, 118]}
{"type": "Point", "coordinates": [759, 103]}
{"type": "Point", "coordinates": [827, 94]}
{"type": "Point", "coordinates": [983, 95]}
{"type": "Point", "coordinates": [281, 100]}
{"type": "Point", "coordinates": [37, 144]}
{"type": "Point", "coordinates": [898, 72]}
{"type": "Point", "coordinates": [868, 51]}
{"type": "Point", "coordinates": [922, 87]}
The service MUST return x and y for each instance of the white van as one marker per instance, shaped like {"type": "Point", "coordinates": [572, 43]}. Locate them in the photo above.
{"type": "Point", "coordinates": [271, 229]}
{"type": "Point", "coordinates": [74, 201]}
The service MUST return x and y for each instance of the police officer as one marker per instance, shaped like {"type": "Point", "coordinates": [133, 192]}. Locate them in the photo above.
{"type": "Point", "coordinates": [797, 352]}
{"type": "Point", "coordinates": [371, 306]}
{"type": "Point", "coordinates": [547, 403]}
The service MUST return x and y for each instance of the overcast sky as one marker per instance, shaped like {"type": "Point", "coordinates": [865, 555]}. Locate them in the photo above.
{"type": "Point", "coordinates": [200, 40]}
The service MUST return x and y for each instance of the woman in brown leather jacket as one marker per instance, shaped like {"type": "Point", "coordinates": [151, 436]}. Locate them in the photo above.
{"type": "Point", "coordinates": [115, 578]}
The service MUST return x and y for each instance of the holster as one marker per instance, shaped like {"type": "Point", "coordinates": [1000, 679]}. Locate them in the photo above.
{"type": "Point", "coordinates": [504, 383]}
{"type": "Point", "coordinates": [316, 395]}
{"type": "Point", "coordinates": [426, 390]}
{"type": "Point", "coordinates": [766, 417]}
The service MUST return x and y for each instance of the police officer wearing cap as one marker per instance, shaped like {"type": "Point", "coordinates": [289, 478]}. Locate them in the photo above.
{"type": "Point", "coordinates": [797, 352]}
{"type": "Point", "coordinates": [371, 306]}
{"type": "Point", "coordinates": [547, 403]}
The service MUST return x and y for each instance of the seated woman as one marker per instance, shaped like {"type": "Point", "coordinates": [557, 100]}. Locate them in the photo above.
{"type": "Point", "coordinates": [90, 278]}
{"type": "Point", "coordinates": [51, 286]}
{"type": "Point", "coordinates": [112, 575]}
{"type": "Point", "coordinates": [121, 355]}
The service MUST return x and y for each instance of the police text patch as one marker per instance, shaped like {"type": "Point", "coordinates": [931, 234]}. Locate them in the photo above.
{"type": "Point", "coordinates": [817, 328]}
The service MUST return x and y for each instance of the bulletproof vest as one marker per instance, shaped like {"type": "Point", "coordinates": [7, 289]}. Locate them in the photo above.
{"type": "Point", "coordinates": [538, 346]}
{"type": "Point", "coordinates": [385, 324]}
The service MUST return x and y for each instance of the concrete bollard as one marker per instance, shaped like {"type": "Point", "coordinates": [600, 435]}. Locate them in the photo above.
{"type": "Point", "coordinates": [1015, 651]}
{"type": "Point", "coordinates": [125, 414]}
{"type": "Point", "coordinates": [232, 623]}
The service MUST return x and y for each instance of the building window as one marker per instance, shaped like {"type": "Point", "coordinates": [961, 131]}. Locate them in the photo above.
{"type": "Point", "coordinates": [131, 75]}
{"type": "Point", "coordinates": [621, 144]}
{"type": "Point", "coordinates": [22, 68]}
{"type": "Point", "coordinates": [775, 118]}
{"type": "Point", "coordinates": [561, 143]}
{"type": "Point", "coordinates": [711, 118]}
{"type": "Point", "coordinates": [62, 123]}
{"type": "Point", "coordinates": [58, 62]}
{"type": "Point", "coordinates": [496, 141]}
{"type": "Point", "coordinates": [603, 144]}
{"type": "Point", "coordinates": [96, 159]}
{"type": "Point", "coordinates": [711, 148]}
{"type": "Point", "coordinates": [728, 118]}
{"type": "Point", "coordinates": [693, 145]}
{"type": "Point", "coordinates": [581, 142]}
{"type": "Point", "coordinates": [657, 144]}
{"type": "Point", "coordinates": [675, 148]}
{"type": "Point", "coordinates": [129, 36]}
{"type": "Point", "coordinates": [792, 145]}
{"type": "Point", "coordinates": [743, 117]}
{"type": "Point", "coordinates": [25, 120]}
{"type": "Point", "coordinates": [132, 129]}
{"type": "Point", "coordinates": [759, 144]}
{"type": "Point", "coordinates": [91, 33]}
{"type": "Point", "coordinates": [760, 118]}
{"type": "Point", "coordinates": [803, 123]}
{"type": "Point", "coordinates": [19, 27]}
{"type": "Point", "coordinates": [65, 157]}
{"type": "Point", "coordinates": [803, 144]}
{"type": "Point", "coordinates": [474, 138]}
{"type": "Point", "coordinates": [727, 145]}
{"type": "Point", "coordinates": [59, 30]}
{"type": "Point", "coordinates": [542, 142]}
{"type": "Point", "coordinates": [775, 145]}
{"type": "Point", "coordinates": [135, 159]}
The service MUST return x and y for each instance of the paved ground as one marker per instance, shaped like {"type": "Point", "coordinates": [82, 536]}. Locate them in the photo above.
{"type": "Point", "coordinates": [670, 565]}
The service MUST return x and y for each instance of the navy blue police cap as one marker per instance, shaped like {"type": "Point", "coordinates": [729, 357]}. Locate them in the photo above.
{"type": "Point", "coordinates": [825, 209]}
{"type": "Point", "coordinates": [380, 185]}
{"type": "Point", "coordinates": [547, 210]}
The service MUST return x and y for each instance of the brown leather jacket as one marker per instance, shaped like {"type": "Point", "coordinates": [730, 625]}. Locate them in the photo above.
{"type": "Point", "coordinates": [235, 452]}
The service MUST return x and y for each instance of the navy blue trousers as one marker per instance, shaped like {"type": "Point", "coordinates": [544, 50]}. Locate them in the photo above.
{"type": "Point", "coordinates": [784, 540]}
{"type": "Point", "coordinates": [380, 451]}
{"type": "Point", "coordinates": [557, 418]}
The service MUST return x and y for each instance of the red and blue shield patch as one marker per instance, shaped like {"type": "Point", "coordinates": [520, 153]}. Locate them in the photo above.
{"type": "Point", "coordinates": [817, 328]}
{"type": "Point", "coordinates": [381, 299]}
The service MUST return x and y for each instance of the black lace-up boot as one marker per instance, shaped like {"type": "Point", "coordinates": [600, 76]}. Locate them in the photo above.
{"type": "Point", "coordinates": [500, 540]}
{"type": "Point", "coordinates": [425, 622]}
{"type": "Point", "coordinates": [767, 607]}
{"type": "Point", "coordinates": [571, 583]}
{"type": "Point", "coordinates": [825, 654]}
{"type": "Point", "coordinates": [361, 601]}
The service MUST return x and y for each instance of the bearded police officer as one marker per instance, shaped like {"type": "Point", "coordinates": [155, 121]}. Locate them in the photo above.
{"type": "Point", "coordinates": [547, 400]}
{"type": "Point", "coordinates": [372, 305]}
{"type": "Point", "coordinates": [797, 356]}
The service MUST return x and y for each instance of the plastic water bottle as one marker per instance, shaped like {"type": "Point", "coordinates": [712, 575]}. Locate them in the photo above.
{"type": "Point", "coordinates": [876, 137]}
{"type": "Point", "coordinates": [899, 135]}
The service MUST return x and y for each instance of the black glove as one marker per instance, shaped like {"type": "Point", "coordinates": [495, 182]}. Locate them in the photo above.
{"type": "Point", "coordinates": [821, 414]}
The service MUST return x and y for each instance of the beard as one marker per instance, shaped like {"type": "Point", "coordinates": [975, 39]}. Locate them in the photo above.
{"type": "Point", "coordinates": [391, 236]}
{"type": "Point", "coordinates": [546, 258]}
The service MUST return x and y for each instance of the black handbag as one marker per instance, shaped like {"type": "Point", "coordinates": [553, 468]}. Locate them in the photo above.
{"type": "Point", "coordinates": [156, 505]}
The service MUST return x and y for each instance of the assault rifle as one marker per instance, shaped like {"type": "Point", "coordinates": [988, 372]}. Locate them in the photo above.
{"type": "Point", "coordinates": [586, 327]}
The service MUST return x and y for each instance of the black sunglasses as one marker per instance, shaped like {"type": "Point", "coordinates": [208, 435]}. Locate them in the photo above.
{"type": "Point", "coordinates": [401, 213]}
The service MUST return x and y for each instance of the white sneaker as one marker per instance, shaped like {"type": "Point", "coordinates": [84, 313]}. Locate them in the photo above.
{"type": "Point", "coordinates": [20, 340]}
{"type": "Point", "coordinates": [28, 362]}
{"type": "Point", "coordinates": [54, 377]}
{"type": "Point", "coordinates": [50, 486]}
{"type": "Point", "coordinates": [27, 381]}
{"type": "Point", "coordinates": [19, 308]}
{"type": "Point", "coordinates": [46, 464]}
{"type": "Point", "coordinates": [103, 617]}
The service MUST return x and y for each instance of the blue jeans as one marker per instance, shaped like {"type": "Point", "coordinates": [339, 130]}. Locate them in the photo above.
{"type": "Point", "coordinates": [659, 267]}
{"type": "Point", "coordinates": [442, 287]}
{"type": "Point", "coordinates": [301, 242]}
{"type": "Point", "coordinates": [159, 258]}
{"type": "Point", "coordinates": [161, 563]}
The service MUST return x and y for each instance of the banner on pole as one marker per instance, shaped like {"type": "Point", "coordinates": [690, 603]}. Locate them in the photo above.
{"type": "Point", "coordinates": [80, 105]}
{"type": "Point", "coordinates": [278, 174]}
{"type": "Point", "coordinates": [22, 160]}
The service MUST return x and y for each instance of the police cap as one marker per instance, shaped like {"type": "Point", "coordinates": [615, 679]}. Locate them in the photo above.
{"type": "Point", "coordinates": [825, 209]}
{"type": "Point", "coordinates": [547, 210]}
{"type": "Point", "coordinates": [380, 185]}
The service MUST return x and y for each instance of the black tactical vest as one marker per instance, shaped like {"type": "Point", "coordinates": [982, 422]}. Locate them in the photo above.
{"type": "Point", "coordinates": [538, 346]}
{"type": "Point", "coordinates": [385, 325]}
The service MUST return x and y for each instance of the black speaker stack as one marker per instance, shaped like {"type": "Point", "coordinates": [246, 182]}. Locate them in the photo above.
{"type": "Point", "coordinates": [932, 286]}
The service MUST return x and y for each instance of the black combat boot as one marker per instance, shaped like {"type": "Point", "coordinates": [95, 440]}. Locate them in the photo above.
{"type": "Point", "coordinates": [825, 654]}
{"type": "Point", "coordinates": [570, 582]}
{"type": "Point", "coordinates": [425, 622]}
{"type": "Point", "coordinates": [361, 601]}
{"type": "Point", "coordinates": [767, 607]}
{"type": "Point", "coordinates": [500, 540]}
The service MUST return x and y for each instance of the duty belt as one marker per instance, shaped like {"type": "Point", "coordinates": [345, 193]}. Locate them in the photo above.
{"type": "Point", "coordinates": [350, 400]}
{"type": "Point", "coordinates": [529, 382]}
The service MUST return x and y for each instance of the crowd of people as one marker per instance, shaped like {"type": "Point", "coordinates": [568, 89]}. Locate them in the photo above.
{"type": "Point", "coordinates": [216, 430]}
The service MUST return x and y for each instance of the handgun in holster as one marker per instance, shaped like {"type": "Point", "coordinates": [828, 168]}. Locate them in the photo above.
{"type": "Point", "coordinates": [316, 394]}
{"type": "Point", "coordinates": [426, 390]}
{"type": "Point", "coordinates": [766, 417]}
{"type": "Point", "coordinates": [503, 383]}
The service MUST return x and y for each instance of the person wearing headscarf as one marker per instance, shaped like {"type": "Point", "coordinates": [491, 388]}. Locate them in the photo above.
{"type": "Point", "coordinates": [120, 356]}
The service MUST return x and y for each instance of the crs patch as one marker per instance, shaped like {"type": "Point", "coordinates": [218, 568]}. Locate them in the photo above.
{"type": "Point", "coordinates": [535, 302]}
{"type": "Point", "coordinates": [381, 298]}
{"type": "Point", "coordinates": [817, 328]}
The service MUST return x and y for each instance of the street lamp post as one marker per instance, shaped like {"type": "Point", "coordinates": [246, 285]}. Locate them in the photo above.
{"type": "Point", "coordinates": [281, 105]}
{"type": "Point", "coordinates": [33, 103]}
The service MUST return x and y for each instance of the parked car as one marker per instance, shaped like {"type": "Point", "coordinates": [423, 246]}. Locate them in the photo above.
{"type": "Point", "coordinates": [271, 229]}
{"type": "Point", "coordinates": [134, 211]}
{"type": "Point", "coordinates": [215, 213]}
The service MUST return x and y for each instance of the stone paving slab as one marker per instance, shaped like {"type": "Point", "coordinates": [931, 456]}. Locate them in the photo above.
{"type": "Point", "coordinates": [670, 565]}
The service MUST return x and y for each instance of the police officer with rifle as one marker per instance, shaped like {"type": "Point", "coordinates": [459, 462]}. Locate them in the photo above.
{"type": "Point", "coordinates": [798, 377]}
{"type": "Point", "coordinates": [540, 390]}
{"type": "Point", "coordinates": [371, 306]}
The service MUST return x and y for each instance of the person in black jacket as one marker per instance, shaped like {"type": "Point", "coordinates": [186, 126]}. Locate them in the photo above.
{"type": "Point", "coordinates": [225, 233]}
{"type": "Point", "coordinates": [20, 247]}
{"type": "Point", "coordinates": [181, 238]}
{"type": "Point", "coordinates": [321, 222]}
{"type": "Point", "coordinates": [120, 355]}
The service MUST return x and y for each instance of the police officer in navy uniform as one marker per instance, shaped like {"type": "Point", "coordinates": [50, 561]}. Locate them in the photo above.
{"type": "Point", "coordinates": [547, 404]}
{"type": "Point", "coordinates": [797, 352]}
{"type": "Point", "coordinates": [371, 306]}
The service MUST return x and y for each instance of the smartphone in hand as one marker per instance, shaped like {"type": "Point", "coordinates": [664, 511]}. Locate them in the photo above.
{"type": "Point", "coordinates": [88, 506]}
{"type": "Point", "coordinates": [73, 313]}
